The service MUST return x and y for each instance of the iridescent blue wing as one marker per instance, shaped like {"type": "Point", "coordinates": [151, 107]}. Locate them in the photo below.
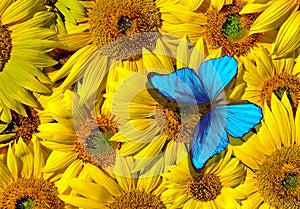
{"type": "Point", "coordinates": [240, 118]}
{"type": "Point", "coordinates": [209, 138]}
{"type": "Point", "coordinates": [182, 86]}
{"type": "Point", "coordinates": [217, 73]}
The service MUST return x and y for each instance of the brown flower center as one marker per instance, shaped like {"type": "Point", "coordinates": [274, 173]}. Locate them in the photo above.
{"type": "Point", "coordinates": [5, 45]}
{"type": "Point", "coordinates": [94, 145]}
{"type": "Point", "coordinates": [278, 178]}
{"type": "Point", "coordinates": [30, 193]}
{"type": "Point", "coordinates": [50, 3]}
{"type": "Point", "coordinates": [179, 123]}
{"type": "Point", "coordinates": [204, 188]}
{"type": "Point", "coordinates": [22, 126]}
{"type": "Point", "coordinates": [279, 84]}
{"type": "Point", "coordinates": [115, 26]}
{"type": "Point", "coordinates": [137, 199]}
{"type": "Point", "coordinates": [229, 30]}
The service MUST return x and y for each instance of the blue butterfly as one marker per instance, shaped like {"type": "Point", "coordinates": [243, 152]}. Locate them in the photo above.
{"type": "Point", "coordinates": [185, 87]}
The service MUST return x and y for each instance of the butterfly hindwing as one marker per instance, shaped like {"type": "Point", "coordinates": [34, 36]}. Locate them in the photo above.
{"type": "Point", "coordinates": [240, 118]}
{"type": "Point", "coordinates": [209, 139]}
{"type": "Point", "coordinates": [182, 86]}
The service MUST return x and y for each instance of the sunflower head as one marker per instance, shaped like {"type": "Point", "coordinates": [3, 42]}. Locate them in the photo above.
{"type": "Point", "coordinates": [278, 178]}
{"type": "Point", "coordinates": [94, 145]}
{"type": "Point", "coordinates": [205, 187]}
{"type": "Point", "coordinates": [229, 29]}
{"type": "Point", "coordinates": [23, 126]}
{"type": "Point", "coordinates": [30, 193]}
{"type": "Point", "coordinates": [134, 23]}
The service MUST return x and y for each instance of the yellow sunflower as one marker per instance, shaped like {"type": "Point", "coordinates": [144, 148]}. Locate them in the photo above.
{"type": "Point", "coordinates": [234, 25]}
{"type": "Point", "coordinates": [273, 158]}
{"type": "Point", "coordinates": [25, 127]}
{"type": "Point", "coordinates": [122, 190]}
{"type": "Point", "coordinates": [214, 187]}
{"type": "Point", "coordinates": [24, 44]}
{"type": "Point", "coordinates": [264, 76]}
{"type": "Point", "coordinates": [23, 185]}
{"type": "Point", "coordinates": [153, 129]}
{"type": "Point", "coordinates": [120, 28]}
{"type": "Point", "coordinates": [80, 135]}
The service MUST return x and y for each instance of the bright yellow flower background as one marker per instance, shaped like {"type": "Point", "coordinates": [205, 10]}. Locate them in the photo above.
{"type": "Point", "coordinates": [80, 127]}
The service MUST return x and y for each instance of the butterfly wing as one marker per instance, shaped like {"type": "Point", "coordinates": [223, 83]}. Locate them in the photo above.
{"type": "Point", "coordinates": [182, 86]}
{"type": "Point", "coordinates": [209, 139]}
{"type": "Point", "coordinates": [240, 118]}
{"type": "Point", "coordinates": [217, 73]}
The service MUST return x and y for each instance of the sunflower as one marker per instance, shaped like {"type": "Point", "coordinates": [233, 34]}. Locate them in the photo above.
{"type": "Point", "coordinates": [78, 137]}
{"type": "Point", "coordinates": [153, 128]}
{"type": "Point", "coordinates": [273, 158]}
{"type": "Point", "coordinates": [236, 26]}
{"type": "Point", "coordinates": [23, 185]}
{"type": "Point", "coordinates": [25, 127]}
{"type": "Point", "coordinates": [119, 29]}
{"type": "Point", "coordinates": [264, 76]}
{"type": "Point", "coordinates": [24, 44]}
{"type": "Point", "coordinates": [122, 190]}
{"type": "Point", "coordinates": [214, 187]}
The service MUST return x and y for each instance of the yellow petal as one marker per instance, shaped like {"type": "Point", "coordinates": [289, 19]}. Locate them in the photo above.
{"type": "Point", "coordinates": [93, 73]}
{"type": "Point", "coordinates": [195, 4]}
{"type": "Point", "coordinates": [273, 16]}
{"type": "Point", "coordinates": [4, 4]}
{"type": "Point", "coordinates": [12, 163]}
{"type": "Point", "coordinates": [218, 4]}
{"type": "Point", "coordinates": [288, 39]}
{"type": "Point", "coordinates": [39, 158]}
{"type": "Point", "coordinates": [23, 152]}
{"type": "Point", "coordinates": [72, 171]}
{"type": "Point", "coordinates": [81, 202]}
{"type": "Point", "coordinates": [182, 58]}
{"type": "Point", "coordinates": [59, 160]}
{"type": "Point", "coordinates": [164, 56]}
{"type": "Point", "coordinates": [255, 8]}
{"type": "Point", "coordinates": [103, 179]}
{"type": "Point", "coordinates": [5, 176]}
{"type": "Point", "coordinates": [18, 11]}
{"type": "Point", "coordinates": [198, 54]}
{"type": "Point", "coordinates": [92, 191]}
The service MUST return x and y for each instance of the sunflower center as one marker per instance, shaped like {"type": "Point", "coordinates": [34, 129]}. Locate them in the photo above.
{"type": "Point", "coordinates": [137, 199]}
{"type": "Point", "coordinates": [30, 193]}
{"type": "Point", "coordinates": [50, 3]}
{"type": "Point", "coordinates": [279, 84]}
{"type": "Point", "coordinates": [205, 188]}
{"type": "Point", "coordinates": [278, 178]}
{"type": "Point", "coordinates": [232, 28]}
{"type": "Point", "coordinates": [290, 181]}
{"type": "Point", "coordinates": [124, 24]}
{"type": "Point", "coordinates": [168, 120]}
{"type": "Point", "coordinates": [25, 203]}
{"type": "Point", "coordinates": [115, 26]}
{"type": "Point", "coordinates": [94, 145]}
{"type": "Point", "coordinates": [21, 126]}
{"type": "Point", "coordinates": [5, 45]}
{"type": "Point", "coordinates": [179, 123]}
{"type": "Point", "coordinates": [229, 30]}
